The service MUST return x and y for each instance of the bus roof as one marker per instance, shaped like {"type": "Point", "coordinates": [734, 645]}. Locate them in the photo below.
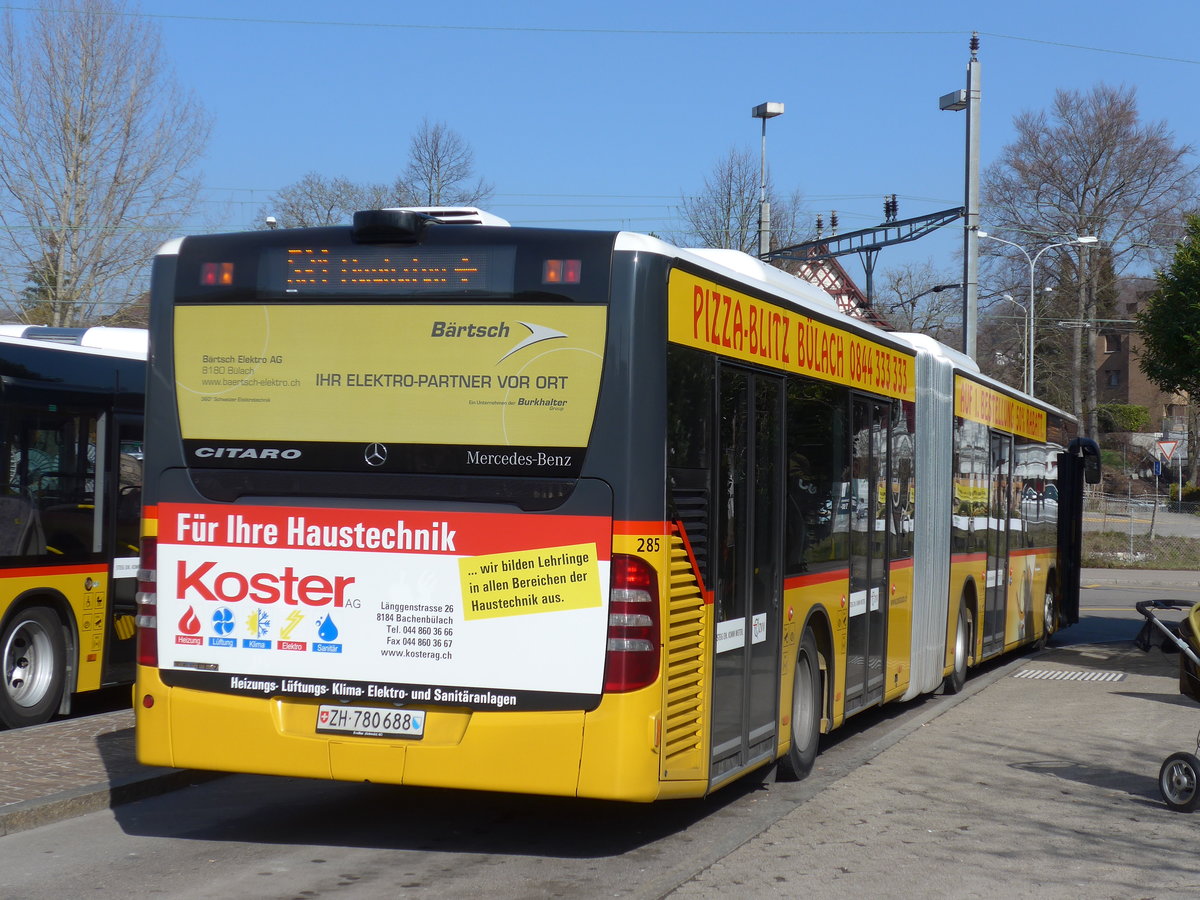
{"type": "Point", "coordinates": [741, 266]}
{"type": "Point", "coordinates": [734, 264]}
{"type": "Point", "coordinates": [125, 343]}
{"type": "Point", "coordinates": [935, 347]}
{"type": "Point", "coordinates": [961, 363]}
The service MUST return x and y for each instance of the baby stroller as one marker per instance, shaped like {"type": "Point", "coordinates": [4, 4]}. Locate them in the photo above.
{"type": "Point", "coordinates": [1179, 777]}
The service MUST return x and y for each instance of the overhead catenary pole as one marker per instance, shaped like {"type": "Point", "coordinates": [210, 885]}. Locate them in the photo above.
{"type": "Point", "coordinates": [971, 202]}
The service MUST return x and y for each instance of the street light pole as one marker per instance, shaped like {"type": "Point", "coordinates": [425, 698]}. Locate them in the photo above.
{"type": "Point", "coordinates": [764, 111]}
{"type": "Point", "coordinates": [969, 99]}
{"type": "Point", "coordinates": [1032, 260]}
{"type": "Point", "coordinates": [1026, 375]}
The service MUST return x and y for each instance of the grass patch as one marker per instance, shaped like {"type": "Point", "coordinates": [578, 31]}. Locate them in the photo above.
{"type": "Point", "coordinates": [1114, 550]}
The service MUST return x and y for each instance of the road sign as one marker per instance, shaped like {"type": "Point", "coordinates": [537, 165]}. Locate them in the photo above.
{"type": "Point", "coordinates": [1158, 467]}
{"type": "Point", "coordinates": [1167, 448]}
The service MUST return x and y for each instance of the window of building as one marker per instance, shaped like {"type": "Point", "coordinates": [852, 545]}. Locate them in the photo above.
{"type": "Point", "coordinates": [1112, 343]}
{"type": "Point", "coordinates": [1113, 377]}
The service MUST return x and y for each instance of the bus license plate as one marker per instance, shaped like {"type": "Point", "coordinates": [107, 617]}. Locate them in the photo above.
{"type": "Point", "coordinates": [371, 721]}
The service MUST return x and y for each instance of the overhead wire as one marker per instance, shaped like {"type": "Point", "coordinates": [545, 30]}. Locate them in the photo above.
{"type": "Point", "coordinates": [757, 34]}
{"type": "Point", "coordinates": [613, 31]}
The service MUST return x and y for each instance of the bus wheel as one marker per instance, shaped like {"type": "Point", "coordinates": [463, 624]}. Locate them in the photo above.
{"type": "Point", "coordinates": [34, 656]}
{"type": "Point", "coordinates": [1177, 781]}
{"type": "Point", "coordinates": [954, 682]}
{"type": "Point", "coordinates": [806, 712]}
{"type": "Point", "coordinates": [1049, 613]}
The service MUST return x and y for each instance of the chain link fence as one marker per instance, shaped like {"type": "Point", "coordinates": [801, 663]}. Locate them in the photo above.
{"type": "Point", "coordinates": [1144, 532]}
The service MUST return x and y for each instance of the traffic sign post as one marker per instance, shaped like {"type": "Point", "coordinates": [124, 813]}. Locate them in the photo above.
{"type": "Point", "coordinates": [1167, 449]}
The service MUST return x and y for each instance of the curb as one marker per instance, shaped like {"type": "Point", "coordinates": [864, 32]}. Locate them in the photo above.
{"type": "Point", "coordinates": [28, 814]}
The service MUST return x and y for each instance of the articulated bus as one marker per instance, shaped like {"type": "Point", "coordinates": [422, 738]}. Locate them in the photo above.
{"type": "Point", "coordinates": [71, 403]}
{"type": "Point", "coordinates": [560, 512]}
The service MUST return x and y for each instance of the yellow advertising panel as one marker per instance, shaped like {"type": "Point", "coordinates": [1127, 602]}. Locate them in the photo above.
{"type": "Point", "coordinates": [989, 407]}
{"type": "Point", "coordinates": [495, 375]}
{"type": "Point", "coordinates": [531, 581]}
{"type": "Point", "coordinates": [710, 316]}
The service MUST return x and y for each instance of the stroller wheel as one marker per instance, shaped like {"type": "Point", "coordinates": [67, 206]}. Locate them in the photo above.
{"type": "Point", "coordinates": [1179, 781]}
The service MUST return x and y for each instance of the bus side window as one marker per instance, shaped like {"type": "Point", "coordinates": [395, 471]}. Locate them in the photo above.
{"type": "Point", "coordinates": [27, 463]}
{"type": "Point", "coordinates": [970, 486]}
{"type": "Point", "coordinates": [129, 497]}
{"type": "Point", "coordinates": [817, 523]}
{"type": "Point", "coordinates": [902, 490]}
{"type": "Point", "coordinates": [690, 434]}
{"type": "Point", "coordinates": [20, 527]}
{"type": "Point", "coordinates": [60, 476]}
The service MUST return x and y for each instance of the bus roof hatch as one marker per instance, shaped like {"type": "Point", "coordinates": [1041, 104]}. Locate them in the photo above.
{"type": "Point", "coordinates": [377, 226]}
{"type": "Point", "coordinates": [406, 224]}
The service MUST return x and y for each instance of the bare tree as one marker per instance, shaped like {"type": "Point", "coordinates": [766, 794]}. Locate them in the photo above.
{"type": "Point", "coordinates": [725, 213]}
{"type": "Point", "coordinates": [1088, 167]}
{"type": "Point", "coordinates": [915, 297]}
{"type": "Point", "coordinates": [441, 168]}
{"type": "Point", "coordinates": [316, 200]}
{"type": "Point", "coordinates": [439, 173]}
{"type": "Point", "coordinates": [96, 146]}
{"type": "Point", "coordinates": [788, 222]}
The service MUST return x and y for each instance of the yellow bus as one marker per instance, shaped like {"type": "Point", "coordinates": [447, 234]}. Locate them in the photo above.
{"type": "Point", "coordinates": [571, 513]}
{"type": "Point", "coordinates": [71, 449]}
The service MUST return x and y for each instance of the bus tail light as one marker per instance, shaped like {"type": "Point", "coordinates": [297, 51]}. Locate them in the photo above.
{"type": "Point", "coordinates": [147, 604]}
{"type": "Point", "coordinates": [634, 633]}
{"type": "Point", "coordinates": [214, 274]}
{"type": "Point", "coordinates": [561, 271]}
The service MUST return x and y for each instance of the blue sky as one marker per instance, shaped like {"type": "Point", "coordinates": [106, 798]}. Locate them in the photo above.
{"type": "Point", "coordinates": [603, 114]}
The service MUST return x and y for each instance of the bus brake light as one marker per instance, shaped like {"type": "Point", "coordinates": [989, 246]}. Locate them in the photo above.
{"type": "Point", "coordinates": [634, 633]}
{"type": "Point", "coordinates": [561, 271]}
{"type": "Point", "coordinates": [216, 274]}
{"type": "Point", "coordinates": [147, 604]}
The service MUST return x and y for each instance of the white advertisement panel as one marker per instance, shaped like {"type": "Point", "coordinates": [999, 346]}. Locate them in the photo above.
{"type": "Point", "coordinates": [467, 609]}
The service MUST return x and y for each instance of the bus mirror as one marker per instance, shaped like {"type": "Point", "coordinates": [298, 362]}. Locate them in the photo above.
{"type": "Point", "coordinates": [1090, 451]}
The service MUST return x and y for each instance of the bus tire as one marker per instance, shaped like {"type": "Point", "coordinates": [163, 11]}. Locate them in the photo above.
{"type": "Point", "coordinates": [806, 712]}
{"type": "Point", "coordinates": [1179, 781]}
{"type": "Point", "coordinates": [34, 654]}
{"type": "Point", "coordinates": [953, 683]}
{"type": "Point", "coordinates": [1049, 613]}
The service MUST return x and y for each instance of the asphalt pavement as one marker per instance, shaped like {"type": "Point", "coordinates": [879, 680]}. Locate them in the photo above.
{"type": "Point", "coordinates": [1039, 780]}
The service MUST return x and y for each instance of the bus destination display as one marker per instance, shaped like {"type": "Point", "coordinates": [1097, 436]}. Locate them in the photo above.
{"type": "Point", "coordinates": [390, 270]}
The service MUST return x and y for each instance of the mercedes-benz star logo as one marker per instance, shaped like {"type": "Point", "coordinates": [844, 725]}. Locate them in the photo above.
{"type": "Point", "coordinates": [375, 454]}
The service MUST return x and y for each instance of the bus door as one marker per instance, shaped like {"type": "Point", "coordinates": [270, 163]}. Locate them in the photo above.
{"type": "Point", "coordinates": [748, 571]}
{"type": "Point", "coordinates": [869, 553]}
{"type": "Point", "coordinates": [999, 518]}
{"type": "Point", "coordinates": [123, 494]}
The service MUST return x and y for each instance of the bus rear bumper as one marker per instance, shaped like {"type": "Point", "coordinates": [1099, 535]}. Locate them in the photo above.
{"type": "Point", "coordinates": [525, 752]}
